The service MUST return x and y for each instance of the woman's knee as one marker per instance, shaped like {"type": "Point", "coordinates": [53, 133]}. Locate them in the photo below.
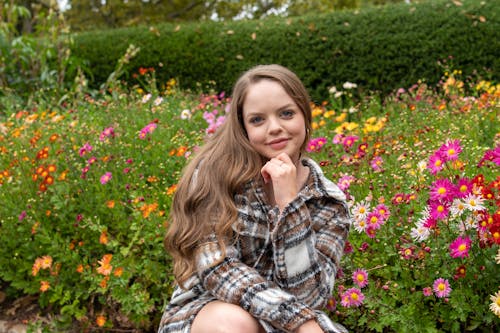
{"type": "Point", "coordinates": [223, 317]}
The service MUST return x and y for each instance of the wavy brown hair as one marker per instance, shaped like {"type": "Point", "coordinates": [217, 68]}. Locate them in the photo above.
{"type": "Point", "coordinates": [204, 201]}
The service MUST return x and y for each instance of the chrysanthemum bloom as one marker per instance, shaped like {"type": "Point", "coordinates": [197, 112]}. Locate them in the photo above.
{"type": "Point", "coordinates": [360, 210]}
{"type": "Point", "coordinates": [460, 272]}
{"type": "Point", "coordinates": [331, 305]}
{"type": "Point", "coordinates": [457, 207]}
{"type": "Point", "coordinates": [398, 198]}
{"type": "Point", "coordinates": [374, 220]}
{"type": "Point", "coordinates": [474, 202]}
{"type": "Point", "coordinates": [420, 233]}
{"type": "Point", "coordinates": [315, 144]}
{"type": "Point", "coordinates": [345, 182]}
{"type": "Point", "coordinates": [441, 288]}
{"type": "Point", "coordinates": [376, 163]}
{"type": "Point", "coordinates": [44, 286]}
{"type": "Point", "coordinates": [451, 150]}
{"type": "Point", "coordinates": [106, 178]}
{"type": "Point", "coordinates": [439, 210]}
{"type": "Point", "coordinates": [360, 224]}
{"type": "Point", "coordinates": [436, 163]}
{"type": "Point", "coordinates": [349, 140]}
{"type": "Point", "coordinates": [442, 190]}
{"type": "Point", "coordinates": [352, 297]}
{"type": "Point", "coordinates": [383, 211]}
{"type": "Point", "coordinates": [105, 267]}
{"type": "Point", "coordinates": [407, 253]}
{"type": "Point", "coordinates": [107, 132]}
{"type": "Point", "coordinates": [495, 305]}
{"type": "Point", "coordinates": [86, 148]}
{"type": "Point", "coordinates": [360, 277]}
{"type": "Point", "coordinates": [463, 187]}
{"type": "Point", "coordinates": [427, 291]}
{"type": "Point", "coordinates": [459, 248]}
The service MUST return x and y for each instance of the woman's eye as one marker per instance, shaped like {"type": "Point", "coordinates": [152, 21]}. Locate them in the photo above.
{"type": "Point", "coordinates": [287, 113]}
{"type": "Point", "coordinates": [255, 120]}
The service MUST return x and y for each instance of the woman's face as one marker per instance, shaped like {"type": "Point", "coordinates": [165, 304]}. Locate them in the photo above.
{"type": "Point", "coordinates": [273, 121]}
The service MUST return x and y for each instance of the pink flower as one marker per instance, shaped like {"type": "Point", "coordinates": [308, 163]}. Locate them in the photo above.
{"type": "Point", "coordinates": [337, 139]}
{"type": "Point", "coordinates": [441, 288]}
{"type": "Point", "coordinates": [148, 129]}
{"type": "Point", "coordinates": [374, 220]}
{"type": "Point", "coordinates": [383, 211]}
{"type": "Point", "coordinates": [22, 216]}
{"type": "Point", "coordinates": [459, 248]}
{"type": "Point", "coordinates": [436, 162]}
{"type": "Point", "coordinates": [464, 187]}
{"type": "Point", "coordinates": [439, 210]}
{"type": "Point", "coordinates": [451, 149]}
{"type": "Point", "coordinates": [106, 178]}
{"type": "Point", "coordinates": [349, 141]}
{"type": "Point", "coordinates": [376, 163]}
{"type": "Point", "coordinates": [345, 182]}
{"type": "Point", "coordinates": [86, 148]}
{"type": "Point", "coordinates": [427, 291]}
{"type": "Point", "coordinates": [492, 155]}
{"type": "Point", "coordinates": [107, 132]}
{"type": "Point", "coordinates": [360, 277]}
{"type": "Point", "coordinates": [442, 190]}
{"type": "Point", "coordinates": [352, 297]}
{"type": "Point", "coordinates": [315, 145]}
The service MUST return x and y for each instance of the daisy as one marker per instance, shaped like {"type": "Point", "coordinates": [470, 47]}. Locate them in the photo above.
{"type": "Point", "coordinates": [474, 202]}
{"type": "Point", "coordinates": [439, 210]}
{"type": "Point", "coordinates": [469, 223]}
{"type": "Point", "coordinates": [495, 305]}
{"type": "Point", "coordinates": [352, 297]}
{"type": "Point", "coordinates": [360, 224]}
{"type": "Point", "coordinates": [420, 233]}
{"type": "Point", "coordinates": [460, 247]}
{"type": "Point", "coordinates": [441, 288]}
{"type": "Point", "coordinates": [442, 190]}
{"type": "Point", "coordinates": [374, 220]}
{"type": "Point", "coordinates": [345, 182]}
{"type": "Point", "coordinates": [383, 210]}
{"type": "Point", "coordinates": [457, 208]}
{"type": "Point", "coordinates": [360, 277]}
{"type": "Point", "coordinates": [464, 187]}
{"type": "Point", "coordinates": [360, 210]}
{"type": "Point", "coordinates": [451, 149]}
{"type": "Point", "coordinates": [436, 163]}
{"type": "Point", "coordinates": [376, 163]}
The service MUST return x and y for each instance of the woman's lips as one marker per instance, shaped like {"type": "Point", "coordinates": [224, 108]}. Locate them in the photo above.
{"type": "Point", "coordinates": [278, 144]}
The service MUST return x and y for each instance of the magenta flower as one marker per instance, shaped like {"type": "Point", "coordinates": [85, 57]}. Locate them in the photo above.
{"type": "Point", "coordinates": [352, 297]}
{"type": "Point", "coordinates": [451, 149]}
{"type": "Point", "coordinates": [148, 129]}
{"type": "Point", "coordinates": [22, 216]}
{"type": "Point", "coordinates": [464, 187]}
{"type": "Point", "coordinates": [427, 291]}
{"type": "Point", "coordinates": [337, 139]}
{"type": "Point", "coordinates": [107, 132]}
{"type": "Point", "coordinates": [374, 220]}
{"type": "Point", "coordinates": [439, 210]}
{"type": "Point", "coordinates": [315, 144]}
{"type": "Point", "coordinates": [441, 288]}
{"type": "Point", "coordinates": [376, 163]}
{"type": "Point", "coordinates": [383, 211]}
{"type": "Point", "coordinates": [345, 182]}
{"type": "Point", "coordinates": [360, 277]}
{"type": "Point", "coordinates": [492, 155]}
{"type": "Point", "coordinates": [436, 162]}
{"type": "Point", "coordinates": [442, 190]}
{"type": "Point", "coordinates": [106, 177]}
{"type": "Point", "coordinates": [349, 140]}
{"type": "Point", "coordinates": [86, 148]}
{"type": "Point", "coordinates": [459, 248]}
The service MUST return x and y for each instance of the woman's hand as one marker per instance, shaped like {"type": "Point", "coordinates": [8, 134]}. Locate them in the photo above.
{"type": "Point", "coordinates": [281, 171]}
{"type": "Point", "coordinates": [310, 326]}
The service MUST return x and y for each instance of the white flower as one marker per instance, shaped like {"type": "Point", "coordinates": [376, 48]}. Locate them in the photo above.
{"type": "Point", "coordinates": [360, 210]}
{"type": "Point", "coordinates": [469, 223]}
{"type": "Point", "coordinates": [349, 85]}
{"type": "Point", "coordinates": [420, 233]}
{"type": "Point", "coordinates": [158, 101]}
{"type": "Point", "coordinates": [422, 166]}
{"type": "Point", "coordinates": [360, 225]}
{"type": "Point", "coordinates": [474, 202]}
{"type": "Point", "coordinates": [497, 258]}
{"type": "Point", "coordinates": [495, 305]}
{"type": "Point", "coordinates": [146, 98]}
{"type": "Point", "coordinates": [457, 208]}
{"type": "Point", "coordinates": [185, 114]}
{"type": "Point", "coordinates": [332, 90]}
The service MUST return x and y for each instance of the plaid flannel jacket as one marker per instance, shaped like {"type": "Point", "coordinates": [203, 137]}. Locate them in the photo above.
{"type": "Point", "coordinates": [282, 267]}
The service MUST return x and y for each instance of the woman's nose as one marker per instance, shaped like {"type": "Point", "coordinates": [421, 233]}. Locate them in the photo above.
{"type": "Point", "coordinates": [275, 125]}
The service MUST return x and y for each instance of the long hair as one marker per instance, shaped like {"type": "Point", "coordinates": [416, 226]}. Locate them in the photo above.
{"type": "Point", "coordinates": [204, 200]}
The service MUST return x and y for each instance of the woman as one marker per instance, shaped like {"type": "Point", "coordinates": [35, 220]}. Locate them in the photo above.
{"type": "Point", "coordinates": [257, 231]}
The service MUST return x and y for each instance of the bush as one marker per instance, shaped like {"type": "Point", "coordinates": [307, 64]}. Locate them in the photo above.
{"type": "Point", "coordinates": [380, 49]}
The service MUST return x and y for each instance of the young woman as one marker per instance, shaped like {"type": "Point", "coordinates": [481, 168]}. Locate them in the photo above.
{"type": "Point", "coordinates": [257, 231]}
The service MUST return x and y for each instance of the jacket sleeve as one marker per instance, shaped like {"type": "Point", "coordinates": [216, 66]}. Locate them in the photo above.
{"type": "Point", "coordinates": [308, 241]}
{"type": "Point", "coordinates": [234, 282]}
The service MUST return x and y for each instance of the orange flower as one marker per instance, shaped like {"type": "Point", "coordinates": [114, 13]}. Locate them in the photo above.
{"type": "Point", "coordinates": [181, 151]}
{"type": "Point", "coordinates": [110, 203]}
{"type": "Point", "coordinates": [63, 174]}
{"type": "Point", "coordinates": [51, 168]}
{"type": "Point", "coordinates": [44, 286]}
{"type": "Point", "coordinates": [103, 239]}
{"type": "Point", "coordinates": [35, 268]}
{"type": "Point", "coordinates": [171, 190]}
{"type": "Point", "coordinates": [118, 272]}
{"type": "Point", "coordinates": [105, 262]}
{"type": "Point", "coordinates": [148, 209]}
{"type": "Point", "coordinates": [100, 320]}
{"type": "Point", "coordinates": [79, 268]}
{"type": "Point", "coordinates": [35, 227]}
{"type": "Point", "coordinates": [45, 262]}
{"type": "Point", "coordinates": [104, 282]}
{"type": "Point", "coordinates": [53, 137]}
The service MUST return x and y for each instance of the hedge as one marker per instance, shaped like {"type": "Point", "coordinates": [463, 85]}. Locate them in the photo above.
{"type": "Point", "coordinates": [379, 48]}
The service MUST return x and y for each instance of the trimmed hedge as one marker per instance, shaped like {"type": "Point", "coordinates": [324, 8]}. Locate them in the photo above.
{"type": "Point", "coordinates": [380, 49]}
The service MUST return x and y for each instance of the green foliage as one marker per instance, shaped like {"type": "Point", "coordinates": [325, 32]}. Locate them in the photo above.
{"type": "Point", "coordinates": [380, 49]}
